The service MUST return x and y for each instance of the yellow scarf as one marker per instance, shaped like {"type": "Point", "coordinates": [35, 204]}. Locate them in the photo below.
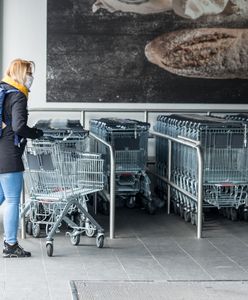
{"type": "Point", "coordinates": [17, 85]}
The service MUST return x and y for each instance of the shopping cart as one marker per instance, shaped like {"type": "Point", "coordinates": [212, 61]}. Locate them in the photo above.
{"type": "Point", "coordinates": [129, 139]}
{"type": "Point", "coordinates": [58, 180]}
{"type": "Point", "coordinates": [225, 173]}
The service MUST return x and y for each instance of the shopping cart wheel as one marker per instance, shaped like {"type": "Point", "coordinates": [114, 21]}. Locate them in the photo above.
{"type": "Point", "coordinates": [90, 230]}
{"type": "Point", "coordinates": [245, 215]}
{"type": "Point", "coordinates": [75, 239]}
{"type": "Point", "coordinates": [49, 248]}
{"type": "Point", "coordinates": [100, 241]}
{"type": "Point", "coordinates": [234, 214]}
{"type": "Point", "coordinates": [29, 227]}
{"type": "Point", "coordinates": [131, 202]}
{"type": "Point", "coordinates": [186, 216]}
{"type": "Point", "coordinates": [151, 208]}
{"type": "Point", "coordinates": [193, 218]}
{"type": "Point", "coordinates": [181, 211]}
{"type": "Point", "coordinates": [175, 210]}
{"type": "Point", "coordinates": [228, 213]}
{"type": "Point", "coordinates": [36, 230]}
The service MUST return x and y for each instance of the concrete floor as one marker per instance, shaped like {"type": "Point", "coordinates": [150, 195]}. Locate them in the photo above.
{"type": "Point", "coordinates": [159, 249]}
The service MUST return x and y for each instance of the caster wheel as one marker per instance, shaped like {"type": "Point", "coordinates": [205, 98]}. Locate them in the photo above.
{"type": "Point", "coordinates": [29, 227]}
{"type": "Point", "coordinates": [193, 218]}
{"type": "Point", "coordinates": [245, 215]}
{"type": "Point", "coordinates": [181, 211]}
{"type": "Point", "coordinates": [151, 208]}
{"type": "Point", "coordinates": [100, 241]}
{"type": "Point", "coordinates": [130, 202]}
{"type": "Point", "coordinates": [186, 216]}
{"type": "Point", "coordinates": [228, 213]}
{"type": "Point", "coordinates": [75, 239]}
{"type": "Point", "coordinates": [90, 230]}
{"type": "Point", "coordinates": [49, 248]}
{"type": "Point", "coordinates": [175, 207]}
{"type": "Point", "coordinates": [36, 230]}
{"type": "Point", "coordinates": [234, 214]}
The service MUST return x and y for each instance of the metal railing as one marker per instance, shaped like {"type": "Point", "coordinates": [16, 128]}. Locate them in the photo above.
{"type": "Point", "coordinates": [145, 111]}
{"type": "Point", "coordinates": [199, 199]}
{"type": "Point", "coordinates": [112, 185]}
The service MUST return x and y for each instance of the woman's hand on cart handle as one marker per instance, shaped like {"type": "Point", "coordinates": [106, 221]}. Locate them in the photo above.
{"type": "Point", "coordinates": [48, 137]}
{"type": "Point", "coordinates": [39, 133]}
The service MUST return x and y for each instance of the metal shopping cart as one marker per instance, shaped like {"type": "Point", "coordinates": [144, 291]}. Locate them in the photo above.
{"type": "Point", "coordinates": [129, 139]}
{"type": "Point", "coordinates": [59, 178]}
{"type": "Point", "coordinates": [225, 174]}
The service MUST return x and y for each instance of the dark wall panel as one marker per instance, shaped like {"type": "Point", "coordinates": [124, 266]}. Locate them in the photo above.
{"type": "Point", "coordinates": [100, 58]}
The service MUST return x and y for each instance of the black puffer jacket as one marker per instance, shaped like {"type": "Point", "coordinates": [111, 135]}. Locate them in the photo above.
{"type": "Point", "coordinates": [15, 109]}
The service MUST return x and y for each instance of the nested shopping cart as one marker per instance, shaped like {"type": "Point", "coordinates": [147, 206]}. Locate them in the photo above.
{"type": "Point", "coordinates": [129, 139]}
{"type": "Point", "coordinates": [58, 180]}
{"type": "Point", "coordinates": [225, 171]}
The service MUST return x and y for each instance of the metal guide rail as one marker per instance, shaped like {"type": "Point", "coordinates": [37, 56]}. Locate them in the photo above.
{"type": "Point", "coordinates": [167, 177]}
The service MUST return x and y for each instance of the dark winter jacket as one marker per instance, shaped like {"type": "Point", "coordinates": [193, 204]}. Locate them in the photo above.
{"type": "Point", "coordinates": [15, 109]}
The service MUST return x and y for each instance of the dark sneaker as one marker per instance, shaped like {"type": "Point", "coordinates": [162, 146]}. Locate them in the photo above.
{"type": "Point", "coordinates": [14, 251]}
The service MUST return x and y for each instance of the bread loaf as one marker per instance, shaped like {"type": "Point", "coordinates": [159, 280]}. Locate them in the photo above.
{"type": "Point", "coordinates": [216, 53]}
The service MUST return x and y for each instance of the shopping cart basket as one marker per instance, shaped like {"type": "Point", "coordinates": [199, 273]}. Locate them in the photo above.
{"type": "Point", "coordinates": [58, 182]}
{"type": "Point", "coordinates": [129, 139]}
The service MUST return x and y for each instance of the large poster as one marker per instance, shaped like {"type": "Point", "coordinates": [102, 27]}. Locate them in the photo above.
{"type": "Point", "coordinates": [147, 51]}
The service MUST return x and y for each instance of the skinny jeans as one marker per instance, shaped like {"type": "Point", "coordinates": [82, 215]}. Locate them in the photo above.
{"type": "Point", "coordinates": [10, 193]}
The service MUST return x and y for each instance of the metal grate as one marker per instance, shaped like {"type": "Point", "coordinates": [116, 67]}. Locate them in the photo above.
{"type": "Point", "coordinates": [158, 290]}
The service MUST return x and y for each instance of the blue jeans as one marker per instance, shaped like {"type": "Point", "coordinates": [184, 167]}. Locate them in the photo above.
{"type": "Point", "coordinates": [10, 192]}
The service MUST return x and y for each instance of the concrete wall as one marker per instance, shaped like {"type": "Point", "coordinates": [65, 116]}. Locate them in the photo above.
{"type": "Point", "coordinates": [24, 35]}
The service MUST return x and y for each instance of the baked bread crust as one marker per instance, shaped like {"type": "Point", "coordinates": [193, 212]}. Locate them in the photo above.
{"type": "Point", "coordinates": [216, 53]}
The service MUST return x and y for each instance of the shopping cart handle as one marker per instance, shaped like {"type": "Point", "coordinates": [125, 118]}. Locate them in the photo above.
{"type": "Point", "coordinates": [68, 136]}
{"type": "Point", "coordinates": [48, 138]}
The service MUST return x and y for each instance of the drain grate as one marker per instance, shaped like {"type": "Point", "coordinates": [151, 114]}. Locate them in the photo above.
{"type": "Point", "coordinates": [158, 290]}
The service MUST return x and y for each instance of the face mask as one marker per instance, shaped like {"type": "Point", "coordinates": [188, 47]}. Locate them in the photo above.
{"type": "Point", "coordinates": [29, 81]}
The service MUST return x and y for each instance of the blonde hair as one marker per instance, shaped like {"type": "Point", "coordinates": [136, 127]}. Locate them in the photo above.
{"type": "Point", "coordinates": [18, 70]}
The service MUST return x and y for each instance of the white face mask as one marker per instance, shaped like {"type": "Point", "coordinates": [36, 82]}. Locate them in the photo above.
{"type": "Point", "coordinates": [29, 81]}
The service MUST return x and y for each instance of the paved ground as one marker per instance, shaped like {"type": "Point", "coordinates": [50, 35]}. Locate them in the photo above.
{"type": "Point", "coordinates": [160, 249]}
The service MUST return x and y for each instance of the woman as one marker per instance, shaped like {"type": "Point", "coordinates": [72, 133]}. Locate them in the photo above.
{"type": "Point", "coordinates": [19, 76]}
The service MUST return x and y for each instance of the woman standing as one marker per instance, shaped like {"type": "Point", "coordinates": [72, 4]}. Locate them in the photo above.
{"type": "Point", "coordinates": [16, 83]}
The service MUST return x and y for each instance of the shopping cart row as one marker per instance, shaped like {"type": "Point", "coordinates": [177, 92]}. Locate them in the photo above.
{"type": "Point", "coordinates": [225, 160]}
{"type": "Point", "coordinates": [66, 168]}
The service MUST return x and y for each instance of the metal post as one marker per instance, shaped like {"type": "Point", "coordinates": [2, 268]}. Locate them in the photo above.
{"type": "Point", "coordinates": [145, 116]}
{"type": "Point", "coordinates": [23, 231]}
{"type": "Point", "coordinates": [169, 177]}
{"type": "Point", "coordinates": [112, 194]}
{"type": "Point", "coordinates": [95, 203]}
{"type": "Point", "coordinates": [83, 118]}
{"type": "Point", "coordinates": [200, 193]}
{"type": "Point", "coordinates": [112, 186]}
